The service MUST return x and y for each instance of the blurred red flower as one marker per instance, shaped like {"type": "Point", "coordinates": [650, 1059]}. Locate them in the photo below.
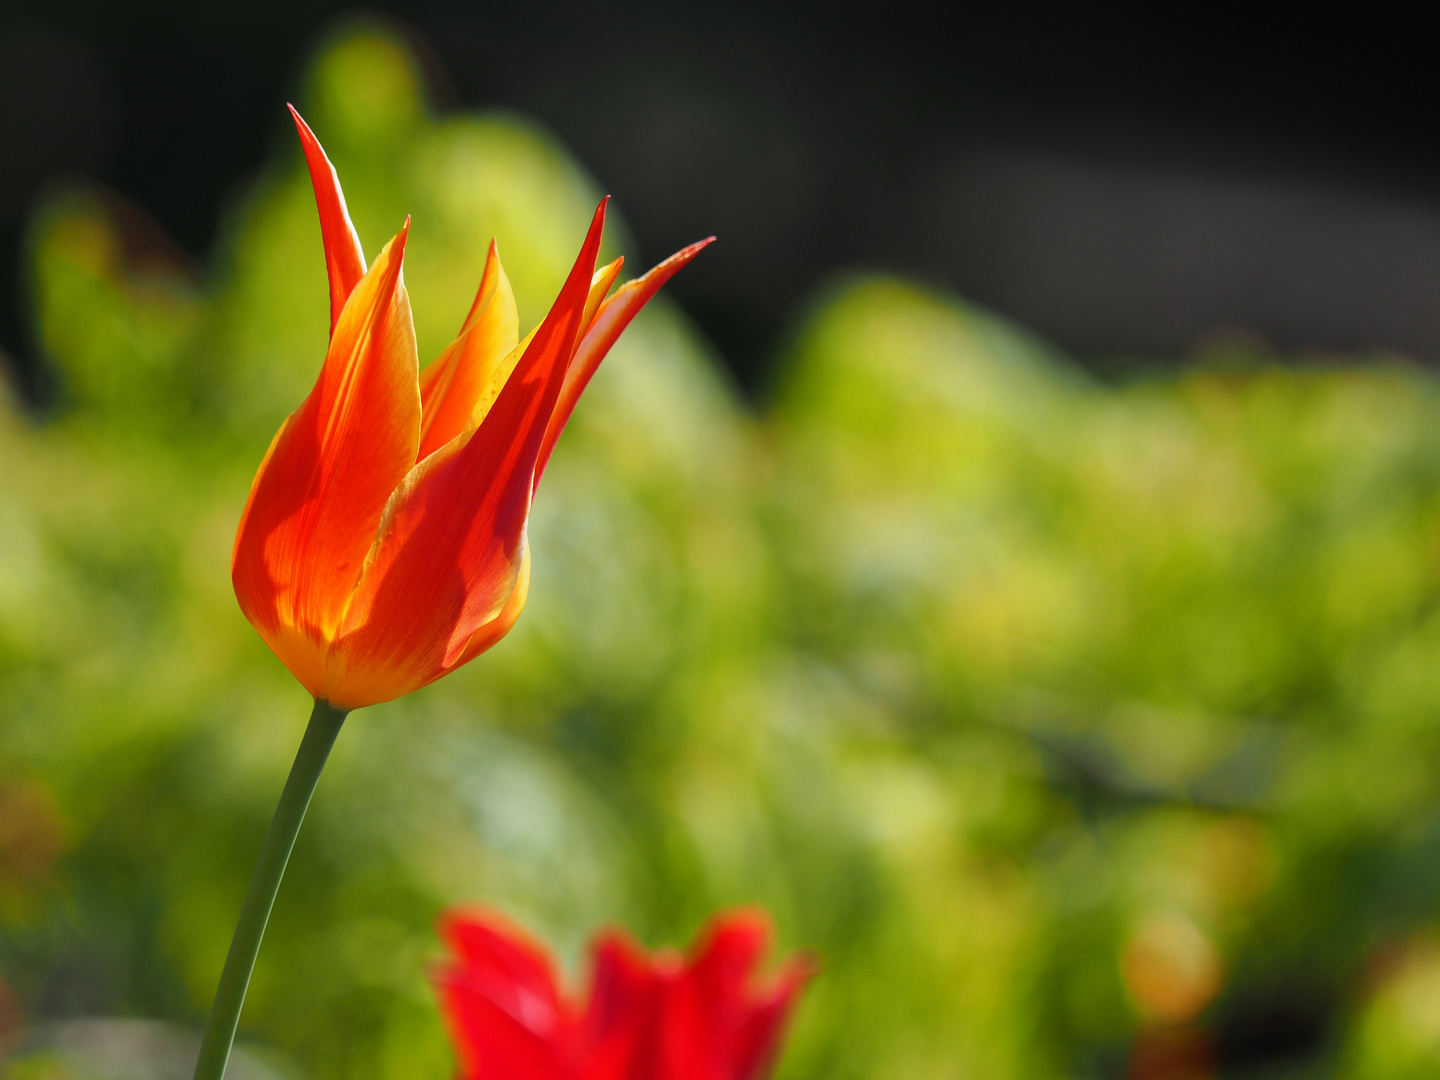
{"type": "Point", "coordinates": [658, 1016]}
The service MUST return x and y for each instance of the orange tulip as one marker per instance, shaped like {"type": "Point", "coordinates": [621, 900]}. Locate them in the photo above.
{"type": "Point", "coordinates": [383, 544]}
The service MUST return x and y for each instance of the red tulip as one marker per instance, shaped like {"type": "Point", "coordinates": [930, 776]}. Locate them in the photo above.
{"type": "Point", "coordinates": [383, 544]}
{"type": "Point", "coordinates": [648, 1017]}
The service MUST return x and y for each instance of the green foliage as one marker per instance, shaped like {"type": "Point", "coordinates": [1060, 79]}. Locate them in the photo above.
{"type": "Point", "coordinates": [1059, 719]}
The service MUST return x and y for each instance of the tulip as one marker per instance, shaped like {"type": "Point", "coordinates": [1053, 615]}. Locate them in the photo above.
{"type": "Point", "coordinates": [648, 1017]}
{"type": "Point", "coordinates": [383, 542]}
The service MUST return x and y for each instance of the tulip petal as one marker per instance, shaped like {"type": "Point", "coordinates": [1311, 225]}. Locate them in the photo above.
{"type": "Point", "coordinates": [599, 285]}
{"type": "Point", "coordinates": [491, 632]}
{"type": "Point", "coordinates": [705, 1007]}
{"type": "Point", "coordinates": [447, 556]}
{"type": "Point", "coordinates": [620, 1028]}
{"type": "Point", "coordinates": [492, 1042]}
{"type": "Point", "coordinates": [502, 1001]}
{"type": "Point", "coordinates": [515, 971]}
{"type": "Point", "coordinates": [450, 387]}
{"type": "Point", "coordinates": [622, 979]}
{"type": "Point", "coordinates": [344, 258]}
{"type": "Point", "coordinates": [612, 319]}
{"type": "Point", "coordinates": [316, 501]}
{"type": "Point", "coordinates": [599, 289]}
{"type": "Point", "coordinates": [728, 954]}
{"type": "Point", "coordinates": [717, 1025]}
{"type": "Point", "coordinates": [757, 1042]}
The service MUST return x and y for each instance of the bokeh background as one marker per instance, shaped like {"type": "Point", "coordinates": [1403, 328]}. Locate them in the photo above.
{"type": "Point", "coordinates": [1011, 556]}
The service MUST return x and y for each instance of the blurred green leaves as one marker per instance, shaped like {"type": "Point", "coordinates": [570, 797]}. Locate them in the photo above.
{"type": "Point", "coordinates": [1061, 719]}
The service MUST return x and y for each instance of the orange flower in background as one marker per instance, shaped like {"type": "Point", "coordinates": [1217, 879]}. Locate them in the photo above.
{"type": "Point", "coordinates": [648, 1017]}
{"type": "Point", "coordinates": [383, 544]}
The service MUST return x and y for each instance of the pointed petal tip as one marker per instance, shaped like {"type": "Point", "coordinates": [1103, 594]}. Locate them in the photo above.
{"type": "Point", "coordinates": [798, 969]}
{"type": "Point", "coordinates": [689, 251]}
{"type": "Point", "coordinates": [611, 319]}
{"type": "Point", "coordinates": [344, 257]}
{"type": "Point", "coordinates": [401, 237]}
{"type": "Point", "coordinates": [664, 270]}
{"type": "Point", "coordinates": [306, 134]}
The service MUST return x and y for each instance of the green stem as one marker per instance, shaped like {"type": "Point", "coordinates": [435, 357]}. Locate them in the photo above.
{"type": "Point", "coordinates": [325, 724]}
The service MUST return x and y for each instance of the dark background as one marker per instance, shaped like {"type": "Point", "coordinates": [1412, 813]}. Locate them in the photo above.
{"type": "Point", "coordinates": [1125, 181]}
